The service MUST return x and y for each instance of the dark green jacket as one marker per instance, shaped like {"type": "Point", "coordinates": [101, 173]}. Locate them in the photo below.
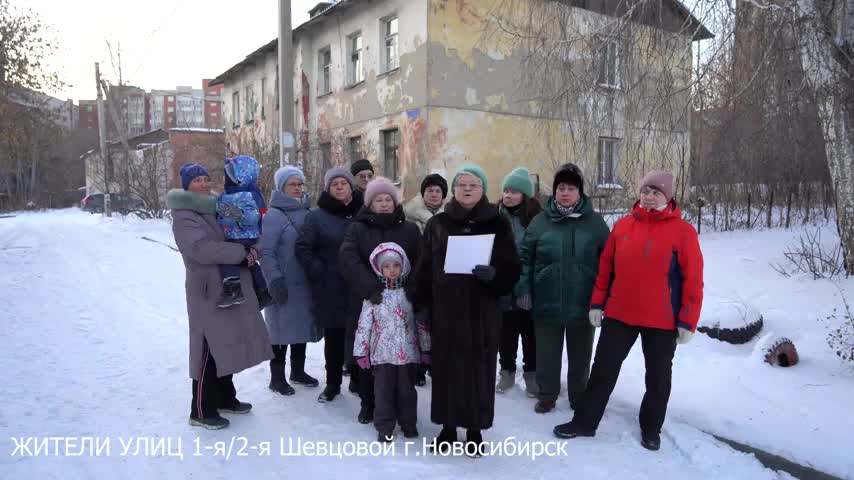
{"type": "Point", "coordinates": [560, 259]}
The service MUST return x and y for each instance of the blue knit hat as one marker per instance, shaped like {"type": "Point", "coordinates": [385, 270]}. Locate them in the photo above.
{"type": "Point", "coordinates": [283, 174]}
{"type": "Point", "coordinates": [519, 179]}
{"type": "Point", "coordinates": [189, 171]}
{"type": "Point", "coordinates": [472, 169]}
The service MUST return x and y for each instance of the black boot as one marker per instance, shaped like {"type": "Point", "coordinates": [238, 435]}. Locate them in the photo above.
{"type": "Point", "coordinates": [264, 298]}
{"type": "Point", "coordinates": [210, 423]}
{"type": "Point", "coordinates": [421, 377]}
{"type": "Point", "coordinates": [232, 293]}
{"type": "Point", "coordinates": [329, 393]}
{"type": "Point", "coordinates": [572, 430]}
{"type": "Point", "coordinates": [445, 440]}
{"type": "Point", "coordinates": [302, 378]}
{"type": "Point", "coordinates": [366, 415]}
{"type": "Point", "coordinates": [237, 407]}
{"type": "Point", "coordinates": [474, 443]}
{"type": "Point", "coordinates": [651, 441]}
{"type": "Point", "coordinates": [298, 374]}
{"type": "Point", "coordinates": [278, 383]}
{"type": "Point", "coordinates": [410, 432]}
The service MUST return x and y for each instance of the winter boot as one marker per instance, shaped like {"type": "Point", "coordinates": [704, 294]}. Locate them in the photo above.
{"type": "Point", "coordinates": [544, 406]}
{"type": "Point", "coordinates": [366, 415]}
{"type": "Point", "coordinates": [445, 440]}
{"type": "Point", "coordinates": [385, 438]}
{"type": "Point", "coordinates": [302, 378]}
{"type": "Point", "coordinates": [506, 381]}
{"type": "Point", "coordinates": [410, 432]}
{"type": "Point", "coordinates": [651, 441]}
{"type": "Point", "coordinates": [532, 388]}
{"type": "Point", "coordinates": [572, 430]}
{"type": "Point", "coordinates": [210, 423]}
{"type": "Point", "coordinates": [278, 383]}
{"type": "Point", "coordinates": [353, 386]}
{"type": "Point", "coordinates": [474, 443]}
{"type": "Point", "coordinates": [421, 376]}
{"type": "Point", "coordinates": [329, 393]}
{"type": "Point", "coordinates": [232, 293]}
{"type": "Point", "coordinates": [264, 298]}
{"type": "Point", "coordinates": [237, 407]}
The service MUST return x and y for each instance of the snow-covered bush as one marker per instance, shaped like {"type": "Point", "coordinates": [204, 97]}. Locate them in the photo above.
{"type": "Point", "coordinates": [809, 255]}
{"type": "Point", "coordinates": [840, 336]}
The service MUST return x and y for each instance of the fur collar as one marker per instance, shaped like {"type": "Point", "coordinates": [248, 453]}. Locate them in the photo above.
{"type": "Point", "coordinates": [180, 199]}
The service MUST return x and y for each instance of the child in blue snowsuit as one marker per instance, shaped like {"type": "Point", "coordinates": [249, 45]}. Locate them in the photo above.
{"type": "Point", "coordinates": [239, 212]}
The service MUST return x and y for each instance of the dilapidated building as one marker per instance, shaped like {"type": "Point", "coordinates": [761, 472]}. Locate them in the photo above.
{"type": "Point", "coordinates": [421, 86]}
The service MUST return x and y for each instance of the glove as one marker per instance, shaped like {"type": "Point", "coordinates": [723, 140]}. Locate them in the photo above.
{"type": "Point", "coordinates": [409, 290]}
{"type": "Point", "coordinates": [524, 302]}
{"type": "Point", "coordinates": [279, 291]}
{"type": "Point", "coordinates": [484, 273]}
{"type": "Point", "coordinates": [685, 336]}
{"type": "Point", "coordinates": [377, 297]}
{"type": "Point", "coordinates": [425, 358]}
{"type": "Point", "coordinates": [595, 317]}
{"type": "Point", "coordinates": [363, 362]}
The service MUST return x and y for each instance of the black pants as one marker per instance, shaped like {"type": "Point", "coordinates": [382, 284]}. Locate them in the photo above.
{"type": "Point", "coordinates": [333, 353]}
{"type": "Point", "coordinates": [396, 398]}
{"type": "Point", "coordinates": [209, 391]}
{"type": "Point", "coordinates": [365, 383]}
{"type": "Point", "coordinates": [615, 342]}
{"type": "Point", "coordinates": [515, 323]}
{"type": "Point", "coordinates": [297, 356]}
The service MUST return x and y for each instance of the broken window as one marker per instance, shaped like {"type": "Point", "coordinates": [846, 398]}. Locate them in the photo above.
{"type": "Point", "coordinates": [609, 64]}
{"type": "Point", "coordinates": [391, 165]}
{"type": "Point", "coordinates": [609, 165]}
{"type": "Point", "coordinates": [391, 43]}
{"type": "Point", "coordinates": [324, 86]}
{"type": "Point", "coordinates": [356, 70]}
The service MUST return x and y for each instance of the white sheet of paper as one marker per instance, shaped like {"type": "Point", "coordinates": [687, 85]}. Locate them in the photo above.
{"type": "Point", "coordinates": [467, 251]}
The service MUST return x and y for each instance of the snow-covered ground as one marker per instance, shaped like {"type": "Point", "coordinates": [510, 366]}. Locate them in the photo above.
{"type": "Point", "coordinates": [94, 344]}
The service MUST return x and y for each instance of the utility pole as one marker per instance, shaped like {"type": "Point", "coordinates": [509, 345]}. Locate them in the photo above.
{"type": "Point", "coordinates": [287, 139]}
{"type": "Point", "coordinates": [102, 139]}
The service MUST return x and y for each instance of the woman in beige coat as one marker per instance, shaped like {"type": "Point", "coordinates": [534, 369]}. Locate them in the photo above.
{"type": "Point", "coordinates": [222, 341]}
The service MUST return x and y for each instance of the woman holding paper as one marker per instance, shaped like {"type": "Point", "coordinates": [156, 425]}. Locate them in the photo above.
{"type": "Point", "coordinates": [381, 220]}
{"type": "Point", "coordinates": [560, 258]}
{"type": "Point", "coordinates": [464, 306]}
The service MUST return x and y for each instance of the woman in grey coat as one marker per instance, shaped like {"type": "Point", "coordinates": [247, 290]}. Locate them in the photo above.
{"type": "Point", "coordinates": [290, 319]}
{"type": "Point", "coordinates": [222, 341]}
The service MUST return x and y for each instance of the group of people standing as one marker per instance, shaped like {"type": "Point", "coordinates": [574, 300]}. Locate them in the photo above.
{"type": "Point", "coordinates": [367, 274]}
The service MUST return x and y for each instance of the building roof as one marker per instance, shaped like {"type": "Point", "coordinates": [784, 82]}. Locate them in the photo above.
{"type": "Point", "coordinates": [322, 10]}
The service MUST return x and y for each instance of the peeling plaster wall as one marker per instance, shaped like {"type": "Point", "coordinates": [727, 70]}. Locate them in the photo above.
{"type": "Point", "coordinates": [261, 130]}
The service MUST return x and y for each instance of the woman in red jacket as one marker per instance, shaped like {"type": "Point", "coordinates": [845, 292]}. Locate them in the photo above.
{"type": "Point", "coordinates": [650, 283]}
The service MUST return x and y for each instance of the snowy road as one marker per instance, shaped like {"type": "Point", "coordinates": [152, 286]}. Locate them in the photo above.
{"type": "Point", "coordinates": [94, 344]}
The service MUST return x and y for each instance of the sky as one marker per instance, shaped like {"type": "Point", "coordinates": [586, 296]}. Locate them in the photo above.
{"type": "Point", "coordinates": [164, 43]}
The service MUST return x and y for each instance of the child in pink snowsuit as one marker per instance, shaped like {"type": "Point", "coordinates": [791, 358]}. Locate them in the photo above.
{"type": "Point", "coordinates": [393, 344]}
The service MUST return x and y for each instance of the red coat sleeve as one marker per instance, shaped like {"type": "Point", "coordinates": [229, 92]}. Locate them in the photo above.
{"type": "Point", "coordinates": [691, 263]}
{"type": "Point", "coordinates": [606, 268]}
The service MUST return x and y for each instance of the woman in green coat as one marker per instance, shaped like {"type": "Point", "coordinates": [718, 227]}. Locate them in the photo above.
{"type": "Point", "coordinates": [560, 259]}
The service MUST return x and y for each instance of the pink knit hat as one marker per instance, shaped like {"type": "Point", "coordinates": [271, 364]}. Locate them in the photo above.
{"type": "Point", "coordinates": [381, 185]}
{"type": "Point", "coordinates": [661, 181]}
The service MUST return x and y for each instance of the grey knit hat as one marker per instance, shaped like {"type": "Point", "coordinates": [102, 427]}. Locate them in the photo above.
{"type": "Point", "coordinates": [337, 172]}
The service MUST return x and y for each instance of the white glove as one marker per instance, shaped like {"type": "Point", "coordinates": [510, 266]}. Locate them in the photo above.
{"type": "Point", "coordinates": [524, 302]}
{"type": "Point", "coordinates": [685, 336]}
{"type": "Point", "coordinates": [595, 317]}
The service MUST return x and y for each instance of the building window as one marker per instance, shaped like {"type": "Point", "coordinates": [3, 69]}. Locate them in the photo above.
{"type": "Point", "coordinates": [325, 156]}
{"type": "Point", "coordinates": [250, 104]}
{"type": "Point", "coordinates": [213, 104]}
{"type": "Point", "coordinates": [356, 72]}
{"type": "Point", "coordinates": [235, 109]}
{"type": "Point", "coordinates": [324, 63]}
{"type": "Point", "coordinates": [170, 98]}
{"type": "Point", "coordinates": [212, 93]}
{"type": "Point", "coordinates": [355, 148]}
{"type": "Point", "coordinates": [609, 165]}
{"type": "Point", "coordinates": [88, 108]}
{"type": "Point", "coordinates": [263, 97]}
{"type": "Point", "coordinates": [609, 64]}
{"type": "Point", "coordinates": [391, 142]}
{"type": "Point", "coordinates": [390, 44]}
{"type": "Point", "coordinates": [170, 110]}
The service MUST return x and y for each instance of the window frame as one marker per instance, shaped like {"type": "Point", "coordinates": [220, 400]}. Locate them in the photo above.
{"type": "Point", "coordinates": [355, 140]}
{"type": "Point", "coordinates": [609, 64]}
{"type": "Point", "coordinates": [235, 109]}
{"type": "Point", "coordinates": [250, 103]}
{"type": "Point", "coordinates": [389, 62]}
{"type": "Point", "coordinates": [391, 167]}
{"type": "Point", "coordinates": [324, 71]}
{"type": "Point", "coordinates": [355, 66]}
{"type": "Point", "coordinates": [263, 95]}
{"type": "Point", "coordinates": [603, 179]}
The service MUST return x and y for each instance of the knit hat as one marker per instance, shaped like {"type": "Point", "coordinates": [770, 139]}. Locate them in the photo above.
{"type": "Point", "coordinates": [337, 172]}
{"type": "Point", "coordinates": [380, 185]}
{"type": "Point", "coordinates": [361, 165]}
{"type": "Point", "coordinates": [283, 174]}
{"type": "Point", "coordinates": [189, 171]}
{"type": "Point", "coordinates": [519, 179]}
{"type": "Point", "coordinates": [571, 174]}
{"type": "Point", "coordinates": [472, 169]}
{"type": "Point", "coordinates": [659, 180]}
{"type": "Point", "coordinates": [435, 179]}
{"type": "Point", "coordinates": [389, 251]}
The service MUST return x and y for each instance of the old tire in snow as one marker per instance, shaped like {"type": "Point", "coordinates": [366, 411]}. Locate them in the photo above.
{"type": "Point", "coordinates": [736, 323]}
